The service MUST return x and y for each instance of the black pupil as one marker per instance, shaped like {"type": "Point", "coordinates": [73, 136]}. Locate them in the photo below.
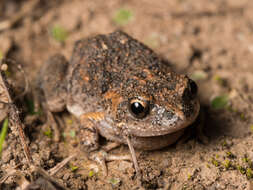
{"type": "Point", "coordinates": [137, 108]}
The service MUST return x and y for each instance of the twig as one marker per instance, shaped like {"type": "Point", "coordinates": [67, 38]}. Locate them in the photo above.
{"type": "Point", "coordinates": [15, 120]}
{"type": "Point", "coordinates": [131, 148]}
{"type": "Point", "coordinates": [47, 176]}
{"type": "Point", "coordinates": [10, 173]}
{"type": "Point", "coordinates": [117, 157]}
{"type": "Point", "coordinates": [111, 146]}
{"type": "Point", "coordinates": [19, 126]}
{"type": "Point", "coordinates": [55, 169]}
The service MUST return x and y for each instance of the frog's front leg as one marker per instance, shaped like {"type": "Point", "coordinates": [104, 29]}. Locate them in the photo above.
{"type": "Point", "coordinates": [89, 141]}
{"type": "Point", "coordinates": [88, 133]}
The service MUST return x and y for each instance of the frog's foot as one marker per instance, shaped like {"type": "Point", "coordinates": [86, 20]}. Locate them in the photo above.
{"type": "Point", "coordinates": [110, 146]}
{"type": "Point", "coordinates": [88, 139]}
{"type": "Point", "coordinates": [89, 143]}
{"type": "Point", "coordinates": [101, 157]}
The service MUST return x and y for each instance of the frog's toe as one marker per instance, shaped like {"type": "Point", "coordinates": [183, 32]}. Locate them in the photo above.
{"type": "Point", "coordinates": [89, 146]}
{"type": "Point", "coordinates": [101, 157]}
{"type": "Point", "coordinates": [88, 140]}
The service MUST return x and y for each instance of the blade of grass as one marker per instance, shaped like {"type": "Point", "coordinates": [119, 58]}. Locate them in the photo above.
{"type": "Point", "coordinates": [3, 134]}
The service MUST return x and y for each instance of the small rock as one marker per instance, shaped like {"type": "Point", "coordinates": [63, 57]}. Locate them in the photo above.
{"type": "Point", "coordinates": [6, 156]}
{"type": "Point", "coordinates": [124, 165]}
{"type": "Point", "coordinates": [66, 176]}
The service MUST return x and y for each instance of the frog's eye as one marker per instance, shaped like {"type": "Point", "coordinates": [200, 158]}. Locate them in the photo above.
{"type": "Point", "coordinates": [138, 108]}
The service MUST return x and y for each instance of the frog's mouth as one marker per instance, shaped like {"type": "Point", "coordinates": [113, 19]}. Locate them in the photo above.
{"type": "Point", "coordinates": [157, 125]}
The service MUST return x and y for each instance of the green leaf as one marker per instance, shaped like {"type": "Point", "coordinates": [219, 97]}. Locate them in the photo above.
{"type": "Point", "coordinates": [199, 75]}
{"type": "Point", "coordinates": [64, 134]}
{"type": "Point", "coordinates": [31, 107]}
{"type": "Point", "coordinates": [249, 173]}
{"type": "Point", "coordinates": [221, 81]}
{"type": "Point", "coordinates": [114, 181]}
{"type": "Point", "coordinates": [220, 102]}
{"type": "Point", "coordinates": [251, 128]}
{"type": "Point", "coordinates": [73, 168]}
{"type": "Point", "coordinates": [123, 16]}
{"type": "Point", "coordinates": [241, 169]}
{"type": "Point", "coordinates": [3, 134]}
{"type": "Point", "coordinates": [215, 162]}
{"type": "Point", "coordinates": [48, 133]}
{"type": "Point", "coordinates": [69, 121]}
{"type": "Point", "coordinates": [91, 173]}
{"type": "Point", "coordinates": [72, 133]}
{"type": "Point", "coordinates": [59, 33]}
{"type": "Point", "coordinates": [227, 164]}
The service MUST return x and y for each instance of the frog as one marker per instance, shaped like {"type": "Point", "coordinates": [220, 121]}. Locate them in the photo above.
{"type": "Point", "coordinates": [120, 89]}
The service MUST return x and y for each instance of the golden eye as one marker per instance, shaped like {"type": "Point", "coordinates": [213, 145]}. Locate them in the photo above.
{"type": "Point", "coordinates": [138, 108]}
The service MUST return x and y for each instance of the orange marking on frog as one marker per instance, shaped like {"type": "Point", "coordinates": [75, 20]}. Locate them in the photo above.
{"type": "Point", "coordinates": [95, 116]}
{"type": "Point", "coordinates": [115, 98]}
{"type": "Point", "coordinates": [149, 74]}
{"type": "Point", "coordinates": [84, 76]}
{"type": "Point", "coordinates": [141, 81]}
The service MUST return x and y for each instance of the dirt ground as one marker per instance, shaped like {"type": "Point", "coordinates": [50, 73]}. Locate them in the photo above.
{"type": "Point", "coordinates": [211, 41]}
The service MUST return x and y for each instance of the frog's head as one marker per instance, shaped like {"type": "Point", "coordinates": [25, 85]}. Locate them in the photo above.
{"type": "Point", "coordinates": [155, 106]}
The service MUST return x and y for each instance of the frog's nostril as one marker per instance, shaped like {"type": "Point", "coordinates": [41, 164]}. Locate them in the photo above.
{"type": "Point", "coordinates": [193, 88]}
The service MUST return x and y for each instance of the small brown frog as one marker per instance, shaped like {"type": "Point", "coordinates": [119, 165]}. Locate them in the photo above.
{"type": "Point", "coordinates": [119, 88]}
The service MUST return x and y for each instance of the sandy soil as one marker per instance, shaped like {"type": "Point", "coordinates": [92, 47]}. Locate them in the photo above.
{"type": "Point", "coordinates": [211, 41]}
